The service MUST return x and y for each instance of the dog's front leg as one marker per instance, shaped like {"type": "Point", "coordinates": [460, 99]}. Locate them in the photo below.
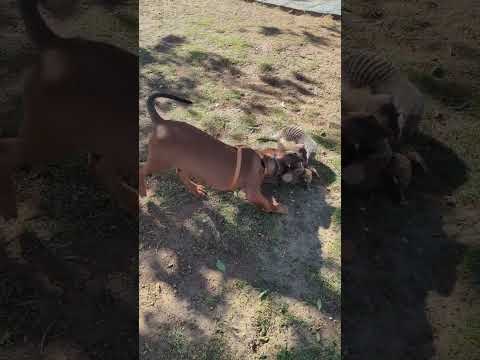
{"type": "Point", "coordinates": [195, 189]}
{"type": "Point", "coordinates": [256, 197]}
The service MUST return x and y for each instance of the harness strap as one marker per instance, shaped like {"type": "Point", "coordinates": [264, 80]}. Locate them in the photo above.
{"type": "Point", "coordinates": [238, 166]}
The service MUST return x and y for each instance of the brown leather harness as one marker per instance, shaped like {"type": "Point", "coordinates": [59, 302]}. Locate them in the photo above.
{"type": "Point", "coordinates": [238, 167]}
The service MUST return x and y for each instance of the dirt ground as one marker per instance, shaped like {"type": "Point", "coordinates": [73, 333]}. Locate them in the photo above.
{"type": "Point", "coordinates": [249, 70]}
{"type": "Point", "coordinates": [68, 264]}
{"type": "Point", "coordinates": [422, 260]}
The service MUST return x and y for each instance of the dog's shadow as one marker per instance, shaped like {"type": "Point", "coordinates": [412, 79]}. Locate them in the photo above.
{"type": "Point", "coordinates": [401, 254]}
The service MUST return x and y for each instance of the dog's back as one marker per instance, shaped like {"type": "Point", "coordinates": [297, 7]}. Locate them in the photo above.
{"type": "Point", "coordinates": [80, 96]}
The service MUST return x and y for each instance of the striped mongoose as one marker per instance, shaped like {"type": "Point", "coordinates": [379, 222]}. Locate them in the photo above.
{"type": "Point", "coordinates": [298, 136]}
{"type": "Point", "coordinates": [362, 69]}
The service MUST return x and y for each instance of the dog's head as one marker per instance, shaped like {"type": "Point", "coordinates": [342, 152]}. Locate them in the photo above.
{"type": "Point", "coordinates": [293, 152]}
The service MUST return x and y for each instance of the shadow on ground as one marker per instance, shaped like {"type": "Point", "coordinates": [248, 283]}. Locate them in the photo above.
{"type": "Point", "coordinates": [71, 288]}
{"type": "Point", "coordinates": [401, 255]}
{"type": "Point", "coordinates": [197, 233]}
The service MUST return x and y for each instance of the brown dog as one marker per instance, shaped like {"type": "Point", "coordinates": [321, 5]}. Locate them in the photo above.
{"type": "Point", "coordinates": [194, 153]}
{"type": "Point", "coordinates": [80, 97]}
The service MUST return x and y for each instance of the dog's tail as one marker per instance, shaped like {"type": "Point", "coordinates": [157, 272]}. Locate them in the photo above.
{"type": "Point", "coordinates": [154, 115]}
{"type": "Point", "coordinates": [36, 27]}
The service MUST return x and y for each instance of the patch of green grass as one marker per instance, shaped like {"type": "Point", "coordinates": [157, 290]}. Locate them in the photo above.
{"type": "Point", "coordinates": [200, 26]}
{"type": "Point", "coordinates": [215, 125]}
{"type": "Point", "coordinates": [241, 222]}
{"type": "Point", "coordinates": [333, 249]}
{"type": "Point", "coordinates": [310, 353]}
{"type": "Point", "coordinates": [265, 67]}
{"type": "Point", "coordinates": [264, 317]}
{"type": "Point", "coordinates": [289, 319]}
{"type": "Point", "coordinates": [328, 282]}
{"type": "Point", "coordinates": [196, 56]}
{"type": "Point", "coordinates": [228, 212]}
{"type": "Point", "coordinates": [234, 94]}
{"type": "Point", "coordinates": [337, 216]}
{"type": "Point", "coordinates": [243, 127]}
{"type": "Point", "coordinates": [215, 349]}
{"type": "Point", "coordinates": [249, 121]}
{"type": "Point", "coordinates": [168, 193]}
{"type": "Point", "coordinates": [229, 46]}
{"type": "Point", "coordinates": [279, 118]}
{"type": "Point", "coordinates": [178, 342]}
{"type": "Point", "coordinates": [449, 92]}
{"type": "Point", "coordinates": [326, 141]}
{"type": "Point", "coordinates": [329, 172]}
{"type": "Point", "coordinates": [187, 115]}
{"type": "Point", "coordinates": [240, 284]}
{"type": "Point", "coordinates": [230, 41]}
{"type": "Point", "coordinates": [212, 300]}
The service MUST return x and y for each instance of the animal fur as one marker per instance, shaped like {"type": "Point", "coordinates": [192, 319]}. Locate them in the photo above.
{"type": "Point", "coordinates": [79, 97]}
{"type": "Point", "coordinates": [363, 69]}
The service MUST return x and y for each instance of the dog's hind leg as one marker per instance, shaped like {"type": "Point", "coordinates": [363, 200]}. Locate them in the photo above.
{"type": "Point", "coordinates": [125, 196]}
{"type": "Point", "coordinates": [195, 189]}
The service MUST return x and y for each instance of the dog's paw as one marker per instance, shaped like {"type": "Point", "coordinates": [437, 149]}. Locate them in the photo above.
{"type": "Point", "coordinates": [200, 191]}
{"type": "Point", "coordinates": [281, 209]}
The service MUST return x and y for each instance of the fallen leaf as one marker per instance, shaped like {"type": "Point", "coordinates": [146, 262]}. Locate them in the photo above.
{"type": "Point", "coordinates": [221, 266]}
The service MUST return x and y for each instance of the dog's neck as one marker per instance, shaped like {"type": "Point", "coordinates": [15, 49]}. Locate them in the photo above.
{"type": "Point", "coordinates": [272, 166]}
